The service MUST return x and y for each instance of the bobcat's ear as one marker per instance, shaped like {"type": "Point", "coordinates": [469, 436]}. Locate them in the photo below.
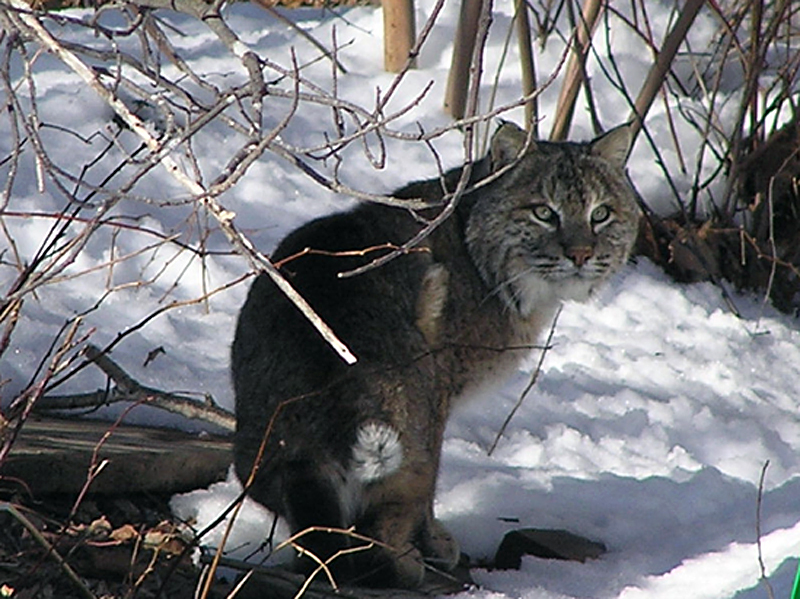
{"type": "Point", "coordinates": [614, 145]}
{"type": "Point", "coordinates": [507, 143]}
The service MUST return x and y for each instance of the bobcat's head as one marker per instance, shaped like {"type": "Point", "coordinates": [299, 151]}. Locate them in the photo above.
{"type": "Point", "coordinates": [559, 219]}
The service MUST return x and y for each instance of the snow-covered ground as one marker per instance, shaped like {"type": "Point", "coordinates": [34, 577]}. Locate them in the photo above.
{"type": "Point", "coordinates": [656, 409]}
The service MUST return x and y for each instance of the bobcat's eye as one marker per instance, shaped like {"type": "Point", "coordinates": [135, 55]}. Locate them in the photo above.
{"type": "Point", "coordinates": [544, 213]}
{"type": "Point", "coordinates": [600, 215]}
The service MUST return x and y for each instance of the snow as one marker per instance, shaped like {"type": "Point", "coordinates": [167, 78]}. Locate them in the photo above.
{"type": "Point", "coordinates": [656, 409]}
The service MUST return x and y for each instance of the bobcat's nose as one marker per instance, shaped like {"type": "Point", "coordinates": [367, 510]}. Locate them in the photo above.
{"type": "Point", "coordinates": [579, 254]}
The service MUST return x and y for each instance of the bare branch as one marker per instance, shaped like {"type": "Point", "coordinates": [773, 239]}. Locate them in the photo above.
{"type": "Point", "coordinates": [223, 216]}
{"type": "Point", "coordinates": [658, 73]}
{"type": "Point", "coordinates": [128, 389]}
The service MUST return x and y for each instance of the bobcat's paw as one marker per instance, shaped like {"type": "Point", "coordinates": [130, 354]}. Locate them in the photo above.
{"type": "Point", "coordinates": [439, 547]}
{"type": "Point", "coordinates": [409, 568]}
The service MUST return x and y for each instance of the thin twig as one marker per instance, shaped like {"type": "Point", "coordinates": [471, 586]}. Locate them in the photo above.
{"type": "Point", "coordinates": [96, 466]}
{"type": "Point", "coordinates": [302, 32]}
{"type": "Point", "coordinates": [529, 386]}
{"type": "Point", "coordinates": [345, 254]}
{"type": "Point", "coordinates": [224, 217]}
{"type": "Point", "coordinates": [759, 500]}
{"type": "Point", "coordinates": [51, 551]}
{"type": "Point", "coordinates": [23, 405]}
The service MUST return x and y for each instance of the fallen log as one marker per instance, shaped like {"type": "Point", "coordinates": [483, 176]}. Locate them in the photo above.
{"type": "Point", "coordinates": [59, 455]}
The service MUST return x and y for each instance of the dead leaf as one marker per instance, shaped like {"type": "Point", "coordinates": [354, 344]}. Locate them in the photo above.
{"type": "Point", "coordinates": [99, 529]}
{"type": "Point", "coordinates": [124, 533]}
{"type": "Point", "coordinates": [153, 354]}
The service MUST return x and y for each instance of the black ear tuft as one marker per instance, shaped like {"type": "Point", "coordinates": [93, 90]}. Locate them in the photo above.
{"type": "Point", "coordinates": [507, 144]}
{"type": "Point", "coordinates": [614, 145]}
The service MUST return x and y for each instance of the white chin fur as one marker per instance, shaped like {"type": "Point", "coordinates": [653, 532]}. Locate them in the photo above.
{"type": "Point", "coordinates": [537, 294]}
{"type": "Point", "coordinates": [575, 289]}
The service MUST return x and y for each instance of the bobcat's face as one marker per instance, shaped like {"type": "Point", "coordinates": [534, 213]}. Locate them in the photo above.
{"type": "Point", "coordinates": [558, 223]}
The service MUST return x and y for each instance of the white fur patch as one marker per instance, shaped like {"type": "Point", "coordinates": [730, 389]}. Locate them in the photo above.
{"type": "Point", "coordinates": [377, 453]}
{"type": "Point", "coordinates": [534, 294]}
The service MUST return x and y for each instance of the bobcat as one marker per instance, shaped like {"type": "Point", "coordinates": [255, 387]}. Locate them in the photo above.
{"type": "Point", "coordinates": [358, 446]}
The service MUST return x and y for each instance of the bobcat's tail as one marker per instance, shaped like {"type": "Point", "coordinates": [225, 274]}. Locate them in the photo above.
{"type": "Point", "coordinates": [377, 453]}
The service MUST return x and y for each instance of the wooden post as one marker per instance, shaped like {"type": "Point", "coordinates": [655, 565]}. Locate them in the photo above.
{"type": "Point", "coordinates": [455, 99]}
{"type": "Point", "coordinates": [399, 34]}
{"type": "Point", "coordinates": [572, 80]}
{"type": "Point", "coordinates": [526, 64]}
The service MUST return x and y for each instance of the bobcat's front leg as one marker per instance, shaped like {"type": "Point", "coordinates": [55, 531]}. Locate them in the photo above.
{"type": "Point", "coordinates": [397, 511]}
{"type": "Point", "coordinates": [416, 539]}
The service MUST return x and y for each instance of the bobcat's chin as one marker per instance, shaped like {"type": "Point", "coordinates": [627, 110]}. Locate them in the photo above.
{"type": "Point", "coordinates": [536, 294]}
{"type": "Point", "coordinates": [576, 288]}
{"type": "Point", "coordinates": [540, 286]}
